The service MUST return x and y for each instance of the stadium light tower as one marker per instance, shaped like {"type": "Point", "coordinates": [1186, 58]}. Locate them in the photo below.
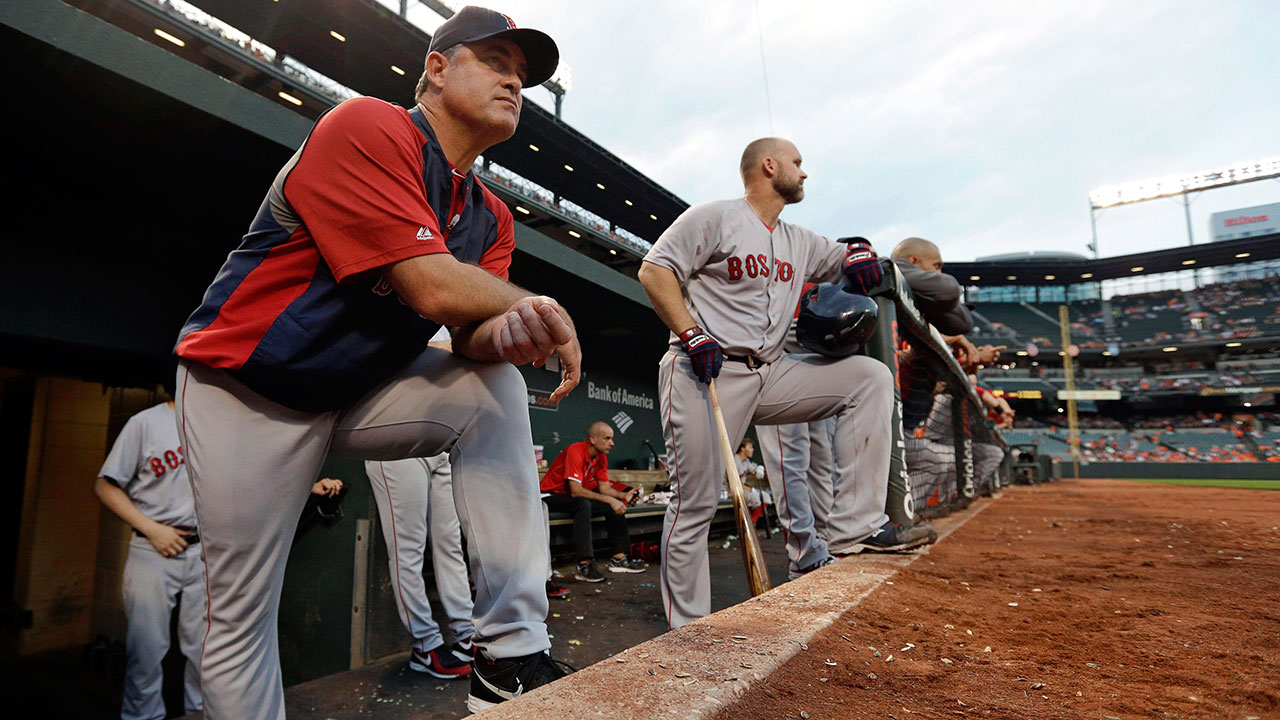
{"type": "Point", "coordinates": [1173, 186]}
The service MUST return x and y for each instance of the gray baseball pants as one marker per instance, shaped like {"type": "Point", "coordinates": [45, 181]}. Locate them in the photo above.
{"type": "Point", "coordinates": [152, 586]}
{"type": "Point", "coordinates": [794, 389]}
{"type": "Point", "coordinates": [986, 461]}
{"type": "Point", "coordinates": [798, 460]}
{"type": "Point", "coordinates": [252, 463]}
{"type": "Point", "coordinates": [415, 502]}
{"type": "Point", "coordinates": [822, 473]}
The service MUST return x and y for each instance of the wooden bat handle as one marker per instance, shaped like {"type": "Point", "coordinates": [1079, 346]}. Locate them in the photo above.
{"type": "Point", "coordinates": [752, 554]}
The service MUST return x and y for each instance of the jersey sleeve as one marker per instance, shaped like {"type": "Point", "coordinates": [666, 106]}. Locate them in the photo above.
{"type": "Point", "coordinates": [826, 258]}
{"type": "Point", "coordinates": [937, 296]}
{"type": "Point", "coordinates": [689, 243]}
{"type": "Point", "coordinates": [497, 258]}
{"type": "Point", "coordinates": [121, 465]}
{"type": "Point", "coordinates": [357, 187]}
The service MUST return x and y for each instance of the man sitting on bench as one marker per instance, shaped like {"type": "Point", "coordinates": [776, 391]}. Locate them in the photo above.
{"type": "Point", "coordinates": [578, 484]}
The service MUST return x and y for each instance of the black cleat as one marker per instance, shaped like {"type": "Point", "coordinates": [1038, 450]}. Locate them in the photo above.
{"type": "Point", "coordinates": [439, 662]}
{"type": "Point", "coordinates": [892, 537]}
{"type": "Point", "coordinates": [587, 572]}
{"type": "Point", "coordinates": [464, 649]}
{"type": "Point", "coordinates": [796, 574]}
{"type": "Point", "coordinates": [496, 681]}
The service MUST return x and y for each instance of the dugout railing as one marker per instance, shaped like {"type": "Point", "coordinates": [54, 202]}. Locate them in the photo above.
{"type": "Point", "coordinates": [945, 451]}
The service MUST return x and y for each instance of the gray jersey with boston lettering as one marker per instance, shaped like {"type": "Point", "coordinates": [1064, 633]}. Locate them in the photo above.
{"type": "Point", "coordinates": [742, 281]}
{"type": "Point", "coordinates": [148, 464]}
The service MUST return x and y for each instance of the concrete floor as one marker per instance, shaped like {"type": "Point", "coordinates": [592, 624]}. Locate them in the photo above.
{"type": "Point", "coordinates": [595, 622]}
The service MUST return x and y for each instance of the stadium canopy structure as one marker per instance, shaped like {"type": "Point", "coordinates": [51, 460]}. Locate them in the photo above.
{"type": "Point", "coordinates": [375, 39]}
{"type": "Point", "coordinates": [1056, 270]}
{"type": "Point", "coordinates": [309, 56]}
{"type": "Point", "coordinates": [156, 173]}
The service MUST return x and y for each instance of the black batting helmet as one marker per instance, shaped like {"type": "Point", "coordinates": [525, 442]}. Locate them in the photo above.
{"type": "Point", "coordinates": [834, 321]}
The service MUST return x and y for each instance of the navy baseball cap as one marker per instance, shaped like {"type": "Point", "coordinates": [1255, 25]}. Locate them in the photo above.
{"type": "Point", "coordinates": [473, 23]}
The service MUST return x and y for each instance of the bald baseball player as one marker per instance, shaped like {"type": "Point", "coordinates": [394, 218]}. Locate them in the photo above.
{"type": "Point", "coordinates": [938, 297]}
{"type": "Point", "coordinates": [578, 483]}
{"type": "Point", "coordinates": [935, 294]}
{"type": "Point", "coordinates": [312, 340]}
{"type": "Point", "coordinates": [726, 278]}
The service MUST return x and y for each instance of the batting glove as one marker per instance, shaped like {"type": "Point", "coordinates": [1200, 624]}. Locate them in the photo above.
{"type": "Point", "coordinates": [861, 266]}
{"type": "Point", "coordinates": [704, 351]}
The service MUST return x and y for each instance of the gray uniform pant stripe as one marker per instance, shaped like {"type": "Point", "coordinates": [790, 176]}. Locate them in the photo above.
{"type": "Point", "coordinates": [252, 464]}
{"type": "Point", "coordinates": [792, 390]}
{"type": "Point", "coordinates": [821, 473]}
{"type": "Point", "coordinates": [153, 585]}
{"type": "Point", "coordinates": [786, 450]}
{"type": "Point", "coordinates": [415, 504]}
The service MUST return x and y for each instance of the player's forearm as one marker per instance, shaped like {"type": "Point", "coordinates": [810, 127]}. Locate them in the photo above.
{"type": "Point", "coordinates": [118, 502]}
{"type": "Point", "coordinates": [612, 492]}
{"type": "Point", "coordinates": [576, 489]}
{"type": "Point", "coordinates": [452, 293]}
{"type": "Point", "coordinates": [663, 289]}
{"type": "Point", "coordinates": [476, 341]}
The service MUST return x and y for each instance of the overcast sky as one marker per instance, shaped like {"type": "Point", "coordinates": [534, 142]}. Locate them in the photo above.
{"type": "Point", "coordinates": [980, 125]}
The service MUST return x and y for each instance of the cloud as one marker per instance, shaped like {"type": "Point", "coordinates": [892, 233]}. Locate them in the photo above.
{"type": "Point", "coordinates": [982, 124]}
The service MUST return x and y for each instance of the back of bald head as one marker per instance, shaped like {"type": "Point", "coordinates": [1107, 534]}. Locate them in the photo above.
{"type": "Point", "coordinates": [756, 151]}
{"type": "Point", "coordinates": [914, 246]}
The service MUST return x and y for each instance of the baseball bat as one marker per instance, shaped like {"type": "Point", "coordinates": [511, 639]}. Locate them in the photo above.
{"type": "Point", "coordinates": [752, 555]}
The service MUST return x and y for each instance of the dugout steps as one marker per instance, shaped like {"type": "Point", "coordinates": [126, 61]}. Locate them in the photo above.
{"type": "Point", "coordinates": [693, 672]}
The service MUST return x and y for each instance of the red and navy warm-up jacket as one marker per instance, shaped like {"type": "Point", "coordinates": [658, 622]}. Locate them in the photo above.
{"type": "Point", "coordinates": [300, 312]}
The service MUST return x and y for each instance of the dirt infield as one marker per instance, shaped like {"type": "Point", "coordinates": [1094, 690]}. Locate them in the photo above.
{"type": "Point", "coordinates": [1084, 598]}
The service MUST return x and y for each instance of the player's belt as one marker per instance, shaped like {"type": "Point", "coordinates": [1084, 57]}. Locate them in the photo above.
{"type": "Point", "coordinates": [751, 361]}
{"type": "Point", "coordinates": [191, 537]}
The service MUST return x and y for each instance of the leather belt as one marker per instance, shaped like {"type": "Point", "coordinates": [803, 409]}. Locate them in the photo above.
{"type": "Point", "coordinates": [750, 361]}
{"type": "Point", "coordinates": [193, 538]}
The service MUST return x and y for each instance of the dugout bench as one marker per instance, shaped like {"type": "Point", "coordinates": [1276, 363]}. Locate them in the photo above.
{"type": "Point", "coordinates": [644, 522]}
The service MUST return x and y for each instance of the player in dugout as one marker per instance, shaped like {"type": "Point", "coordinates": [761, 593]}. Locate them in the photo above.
{"type": "Point", "coordinates": [312, 341]}
{"type": "Point", "coordinates": [578, 483]}
{"type": "Point", "coordinates": [728, 274]}
{"type": "Point", "coordinates": [938, 297]}
{"type": "Point", "coordinates": [144, 482]}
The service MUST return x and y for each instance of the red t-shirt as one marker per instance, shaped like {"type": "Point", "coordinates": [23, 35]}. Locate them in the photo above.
{"type": "Point", "coordinates": [575, 464]}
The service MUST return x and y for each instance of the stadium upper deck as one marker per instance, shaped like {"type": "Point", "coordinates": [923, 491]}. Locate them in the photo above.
{"type": "Point", "coordinates": [556, 179]}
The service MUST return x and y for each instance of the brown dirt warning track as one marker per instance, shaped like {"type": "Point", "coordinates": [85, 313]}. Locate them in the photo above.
{"type": "Point", "coordinates": [1076, 599]}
